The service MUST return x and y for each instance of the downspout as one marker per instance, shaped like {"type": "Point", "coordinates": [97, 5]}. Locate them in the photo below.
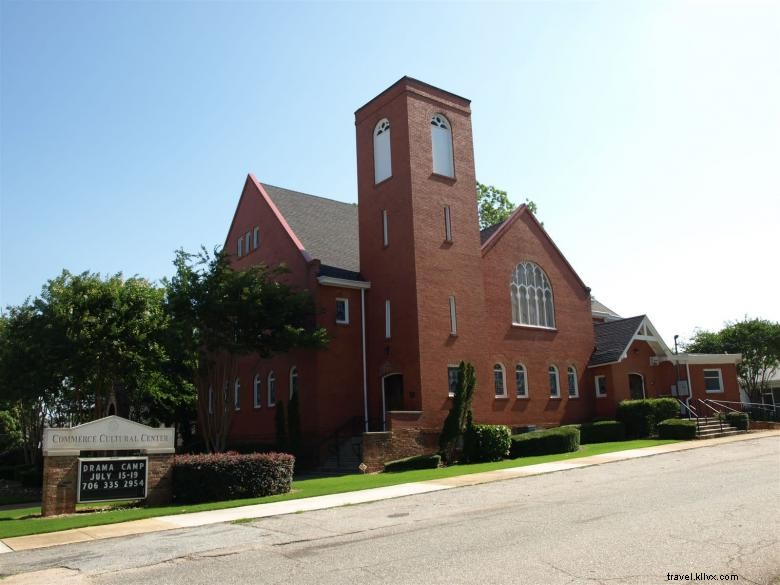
{"type": "Point", "coordinates": [365, 383]}
{"type": "Point", "coordinates": [690, 384]}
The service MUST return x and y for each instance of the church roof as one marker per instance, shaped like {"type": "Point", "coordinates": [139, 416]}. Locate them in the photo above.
{"type": "Point", "coordinates": [600, 309]}
{"type": "Point", "coordinates": [612, 339]}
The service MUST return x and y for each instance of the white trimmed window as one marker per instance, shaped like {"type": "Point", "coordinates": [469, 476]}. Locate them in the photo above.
{"type": "Point", "coordinates": [571, 378]}
{"type": "Point", "coordinates": [555, 385]}
{"type": "Point", "coordinates": [256, 238]}
{"type": "Point", "coordinates": [271, 389]}
{"type": "Point", "coordinates": [499, 380]}
{"type": "Point", "coordinates": [256, 392]}
{"type": "Point", "coordinates": [713, 381]}
{"type": "Point", "coordinates": [385, 236]}
{"type": "Point", "coordinates": [532, 298]}
{"type": "Point", "coordinates": [237, 395]}
{"type": "Point", "coordinates": [447, 224]}
{"type": "Point", "coordinates": [387, 319]}
{"type": "Point", "coordinates": [453, 316]}
{"type": "Point", "coordinates": [441, 146]}
{"type": "Point", "coordinates": [293, 381]}
{"type": "Point", "coordinates": [382, 164]}
{"type": "Point", "coordinates": [521, 381]}
{"type": "Point", "coordinates": [342, 311]}
{"type": "Point", "coordinates": [247, 242]}
{"type": "Point", "coordinates": [240, 247]}
{"type": "Point", "coordinates": [601, 386]}
{"type": "Point", "coordinates": [452, 379]}
{"type": "Point", "coordinates": [211, 400]}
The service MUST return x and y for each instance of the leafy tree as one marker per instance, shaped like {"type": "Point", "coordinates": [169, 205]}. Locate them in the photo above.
{"type": "Point", "coordinates": [758, 340]}
{"type": "Point", "coordinates": [221, 315]}
{"type": "Point", "coordinates": [459, 417]}
{"type": "Point", "coordinates": [494, 205]}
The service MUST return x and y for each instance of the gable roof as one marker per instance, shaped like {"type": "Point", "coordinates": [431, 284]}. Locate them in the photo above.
{"type": "Point", "coordinates": [612, 339]}
{"type": "Point", "coordinates": [601, 310]}
{"type": "Point", "coordinates": [327, 229]}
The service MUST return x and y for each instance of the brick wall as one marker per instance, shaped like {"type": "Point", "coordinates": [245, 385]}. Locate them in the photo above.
{"type": "Point", "coordinates": [379, 448]}
{"type": "Point", "coordinates": [160, 480]}
{"type": "Point", "coordinates": [60, 475]}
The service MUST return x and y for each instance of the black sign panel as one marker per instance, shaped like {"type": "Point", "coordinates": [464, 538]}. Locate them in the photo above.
{"type": "Point", "coordinates": [106, 479]}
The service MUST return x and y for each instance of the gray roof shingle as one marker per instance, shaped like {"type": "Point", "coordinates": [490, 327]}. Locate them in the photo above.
{"type": "Point", "coordinates": [598, 307]}
{"type": "Point", "coordinates": [327, 229]}
{"type": "Point", "coordinates": [612, 339]}
{"type": "Point", "coordinates": [484, 235]}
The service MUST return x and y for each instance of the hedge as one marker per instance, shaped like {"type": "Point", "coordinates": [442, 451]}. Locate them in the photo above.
{"type": "Point", "coordinates": [677, 428]}
{"type": "Point", "coordinates": [556, 440]}
{"type": "Point", "coordinates": [230, 476]}
{"type": "Point", "coordinates": [738, 420]}
{"type": "Point", "coordinates": [641, 416]}
{"type": "Point", "coordinates": [487, 442]}
{"type": "Point", "coordinates": [602, 431]}
{"type": "Point", "coordinates": [416, 462]}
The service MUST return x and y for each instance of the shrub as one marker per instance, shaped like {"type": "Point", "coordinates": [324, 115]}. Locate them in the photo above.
{"type": "Point", "coordinates": [641, 416]}
{"type": "Point", "coordinates": [738, 420]}
{"type": "Point", "coordinates": [677, 428]}
{"type": "Point", "coordinates": [557, 440]}
{"type": "Point", "coordinates": [487, 442]}
{"type": "Point", "coordinates": [229, 476]}
{"type": "Point", "coordinates": [417, 462]}
{"type": "Point", "coordinates": [30, 477]}
{"type": "Point", "coordinates": [602, 431]}
{"type": "Point", "coordinates": [459, 417]}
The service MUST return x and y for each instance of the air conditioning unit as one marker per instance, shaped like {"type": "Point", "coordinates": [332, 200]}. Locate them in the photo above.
{"type": "Point", "coordinates": [654, 360]}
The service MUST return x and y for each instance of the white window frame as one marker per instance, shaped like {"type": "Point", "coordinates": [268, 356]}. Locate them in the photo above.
{"type": "Point", "coordinates": [294, 376]}
{"type": "Point", "coordinates": [256, 238]}
{"type": "Point", "coordinates": [240, 246]}
{"type": "Point", "coordinates": [442, 155]}
{"type": "Point", "coordinates": [382, 147]}
{"type": "Point", "coordinates": [525, 380]}
{"type": "Point", "coordinates": [385, 233]}
{"type": "Point", "coordinates": [345, 321]}
{"type": "Point", "coordinates": [453, 316]}
{"type": "Point", "coordinates": [721, 389]}
{"type": "Point", "coordinates": [248, 242]}
{"type": "Point", "coordinates": [596, 379]}
{"type": "Point", "coordinates": [456, 367]}
{"type": "Point", "coordinates": [447, 224]}
{"type": "Point", "coordinates": [388, 330]}
{"type": "Point", "coordinates": [271, 388]}
{"type": "Point", "coordinates": [237, 395]}
{"type": "Point", "coordinates": [571, 370]}
{"type": "Point", "coordinates": [530, 301]}
{"type": "Point", "coordinates": [499, 367]}
{"type": "Point", "coordinates": [553, 369]}
{"type": "Point", "coordinates": [256, 400]}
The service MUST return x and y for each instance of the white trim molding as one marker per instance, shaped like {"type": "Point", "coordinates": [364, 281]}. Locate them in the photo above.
{"type": "Point", "coordinates": [343, 282]}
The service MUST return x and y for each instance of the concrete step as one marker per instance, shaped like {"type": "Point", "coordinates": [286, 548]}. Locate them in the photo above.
{"type": "Point", "coordinates": [718, 433]}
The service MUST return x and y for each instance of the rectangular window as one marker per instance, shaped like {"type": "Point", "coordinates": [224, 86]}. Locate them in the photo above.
{"type": "Point", "coordinates": [385, 239]}
{"type": "Point", "coordinates": [342, 311]}
{"type": "Point", "coordinates": [601, 386]}
{"type": "Point", "coordinates": [452, 379]}
{"type": "Point", "coordinates": [248, 240]}
{"type": "Point", "coordinates": [240, 246]}
{"type": "Point", "coordinates": [257, 238]}
{"type": "Point", "coordinates": [713, 381]}
{"type": "Point", "coordinates": [387, 319]}
{"type": "Point", "coordinates": [453, 316]}
{"type": "Point", "coordinates": [447, 224]}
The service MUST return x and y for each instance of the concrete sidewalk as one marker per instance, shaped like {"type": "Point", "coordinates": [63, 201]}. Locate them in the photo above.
{"type": "Point", "coordinates": [335, 500]}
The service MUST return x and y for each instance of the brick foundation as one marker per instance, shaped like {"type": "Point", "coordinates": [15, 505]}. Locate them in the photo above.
{"type": "Point", "coordinates": [60, 475]}
{"type": "Point", "coordinates": [379, 448]}
{"type": "Point", "coordinates": [160, 480]}
{"type": "Point", "coordinates": [763, 425]}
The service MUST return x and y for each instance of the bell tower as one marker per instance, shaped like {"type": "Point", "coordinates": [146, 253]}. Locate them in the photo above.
{"type": "Point", "coordinates": [419, 244]}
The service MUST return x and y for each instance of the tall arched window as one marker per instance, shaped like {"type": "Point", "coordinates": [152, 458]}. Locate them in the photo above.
{"type": "Point", "coordinates": [521, 381]}
{"type": "Point", "coordinates": [271, 389]}
{"type": "Point", "coordinates": [237, 395]}
{"type": "Point", "coordinates": [499, 380]}
{"type": "Point", "coordinates": [555, 386]}
{"type": "Point", "coordinates": [382, 163]}
{"type": "Point", "coordinates": [441, 146]}
{"type": "Point", "coordinates": [256, 393]}
{"type": "Point", "coordinates": [293, 381]}
{"type": "Point", "coordinates": [532, 298]}
{"type": "Point", "coordinates": [571, 378]}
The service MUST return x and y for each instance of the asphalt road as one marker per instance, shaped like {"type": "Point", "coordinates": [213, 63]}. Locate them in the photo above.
{"type": "Point", "coordinates": [713, 511]}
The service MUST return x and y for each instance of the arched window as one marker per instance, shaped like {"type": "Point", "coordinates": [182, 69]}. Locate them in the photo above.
{"type": "Point", "coordinates": [237, 395]}
{"type": "Point", "coordinates": [499, 380]}
{"type": "Point", "coordinates": [211, 400]}
{"type": "Point", "coordinates": [555, 386]}
{"type": "Point", "coordinates": [571, 378]}
{"type": "Point", "coordinates": [293, 381]}
{"type": "Point", "coordinates": [382, 163]}
{"type": "Point", "coordinates": [532, 298]}
{"type": "Point", "coordinates": [441, 146]}
{"type": "Point", "coordinates": [256, 392]}
{"type": "Point", "coordinates": [271, 389]}
{"type": "Point", "coordinates": [521, 381]}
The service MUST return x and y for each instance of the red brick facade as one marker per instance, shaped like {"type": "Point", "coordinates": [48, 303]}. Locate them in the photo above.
{"type": "Point", "coordinates": [417, 272]}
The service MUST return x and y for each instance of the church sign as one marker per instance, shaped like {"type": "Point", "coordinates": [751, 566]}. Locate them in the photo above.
{"type": "Point", "coordinates": [107, 434]}
{"type": "Point", "coordinates": [112, 478]}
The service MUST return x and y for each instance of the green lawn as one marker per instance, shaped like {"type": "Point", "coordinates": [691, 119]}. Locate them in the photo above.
{"type": "Point", "coordinates": [23, 521]}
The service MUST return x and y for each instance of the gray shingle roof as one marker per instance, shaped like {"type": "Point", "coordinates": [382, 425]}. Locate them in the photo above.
{"type": "Point", "coordinates": [598, 307]}
{"type": "Point", "coordinates": [484, 235]}
{"type": "Point", "coordinates": [612, 339]}
{"type": "Point", "coordinates": [327, 229]}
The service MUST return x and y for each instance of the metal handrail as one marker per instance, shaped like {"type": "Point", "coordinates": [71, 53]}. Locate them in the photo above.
{"type": "Point", "coordinates": [773, 407]}
{"type": "Point", "coordinates": [721, 404]}
{"type": "Point", "coordinates": [717, 412]}
{"type": "Point", "coordinates": [691, 411]}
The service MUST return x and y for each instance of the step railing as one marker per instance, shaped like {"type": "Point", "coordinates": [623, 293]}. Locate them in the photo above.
{"type": "Point", "coordinates": [718, 416]}
{"type": "Point", "coordinates": [756, 410]}
{"type": "Point", "coordinates": [691, 413]}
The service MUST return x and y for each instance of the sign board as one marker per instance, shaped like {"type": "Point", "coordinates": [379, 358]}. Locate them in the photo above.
{"type": "Point", "coordinates": [112, 478]}
{"type": "Point", "coordinates": [112, 433]}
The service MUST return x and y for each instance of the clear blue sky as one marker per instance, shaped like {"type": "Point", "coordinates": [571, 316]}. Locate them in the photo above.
{"type": "Point", "coordinates": [648, 133]}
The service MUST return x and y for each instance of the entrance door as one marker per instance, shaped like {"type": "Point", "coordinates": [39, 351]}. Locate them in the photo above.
{"type": "Point", "coordinates": [636, 386]}
{"type": "Point", "coordinates": [393, 397]}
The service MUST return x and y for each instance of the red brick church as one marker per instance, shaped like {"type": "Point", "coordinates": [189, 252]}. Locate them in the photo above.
{"type": "Point", "coordinates": [408, 286]}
